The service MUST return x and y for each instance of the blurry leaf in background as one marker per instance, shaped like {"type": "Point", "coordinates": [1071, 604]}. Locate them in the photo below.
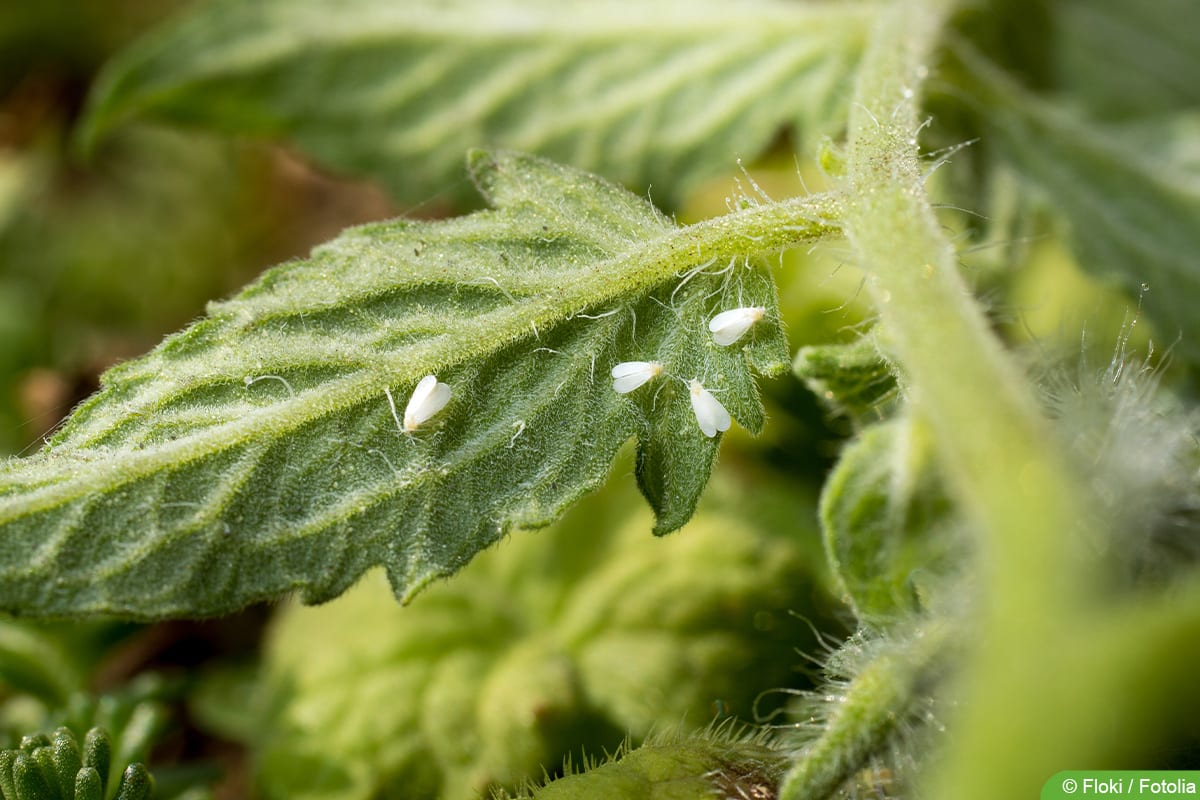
{"type": "Point", "coordinates": [98, 259]}
{"type": "Point", "coordinates": [1131, 204]}
{"type": "Point", "coordinates": [652, 93]}
{"type": "Point", "coordinates": [1094, 106]}
{"type": "Point", "coordinates": [48, 52]}
{"type": "Point", "coordinates": [1114, 60]}
{"type": "Point", "coordinates": [551, 642]}
{"type": "Point", "coordinates": [98, 264]}
{"type": "Point", "coordinates": [1126, 60]}
{"type": "Point", "coordinates": [90, 259]}
{"type": "Point", "coordinates": [35, 662]}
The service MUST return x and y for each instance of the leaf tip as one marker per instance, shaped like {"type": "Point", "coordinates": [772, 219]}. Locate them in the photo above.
{"type": "Point", "coordinates": [482, 166]}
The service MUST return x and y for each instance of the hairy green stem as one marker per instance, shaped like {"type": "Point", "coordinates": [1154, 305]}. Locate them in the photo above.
{"type": "Point", "coordinates": [996, 449]}
{"type": "Point", "coordinates": [998, 454]}
{"type": "Point", "coordinates": [870, 710]}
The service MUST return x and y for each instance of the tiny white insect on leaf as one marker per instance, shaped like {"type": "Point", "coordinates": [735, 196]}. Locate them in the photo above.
{"type": "Point", "coordinates": [710, 414]}
{"type": "Point", "coordinates": [427, 399]}
{"type": "Point", "coordinates": [629, 375]}
{"type": "Point", "coordinates": [729, 326]}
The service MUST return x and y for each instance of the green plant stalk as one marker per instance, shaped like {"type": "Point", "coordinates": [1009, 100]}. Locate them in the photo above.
{"type": "Point", "coordinates": [872, 709]}
{"type": "Point", "coordinates": [998, 453]}
{"type": "Point", "coordinates": [996, 449]}
{"type": "Point", "coordinates": [1096, 690]}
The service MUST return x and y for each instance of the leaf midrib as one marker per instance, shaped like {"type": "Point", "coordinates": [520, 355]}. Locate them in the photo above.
{"type": "Point", "coordinates": [685, 22]}
{"type": "Point", "coordinates": [754, 230]}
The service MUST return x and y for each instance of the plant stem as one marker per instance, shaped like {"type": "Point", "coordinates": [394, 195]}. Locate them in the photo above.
{"type": "Point", "coordinates": [878, 701]}
{"type": "Point", "coordinates": [996, 449]}
{"type": "Point", "coordinates": [998, 454]}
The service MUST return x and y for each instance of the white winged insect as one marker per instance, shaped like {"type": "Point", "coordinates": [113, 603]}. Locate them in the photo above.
{"type": "Point", "coordinates": [427, 399]}
{"type": "Point", "coordinates": [629, 375]}
{"type": "Point", "coordinates": [729, 326]}
{"type": "Point", "coordinates": [710, 414]}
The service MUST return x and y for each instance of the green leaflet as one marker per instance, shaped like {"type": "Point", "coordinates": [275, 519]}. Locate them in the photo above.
{"type": "Point", "coordinates": [885, 522]}
{"type": "Point", "coordinates": [1131, 195]}
{"type": "Point", "coordinates": [256, 452]}
{"type": "Point", "coordinates": [570, 638]}
{"type": "Point", "coordinates": [93, 743]}
{"type": "Point", "coordinates": [651, 93]}
{"type": "Point", "coordinates": [852, 379]}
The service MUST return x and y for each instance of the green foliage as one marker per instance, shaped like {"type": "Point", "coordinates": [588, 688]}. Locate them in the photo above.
{"type": "Point", "coordinates": [853, 379]}
{"type": "Point", "coordinates": [400, 91]}
{"type": "Point", "coordinates": [261, 451]}
{"type": "Point", "coordinates": [56, 767]}
{"type": "Point", "coordinates": [567, 640]}
{"type": "Point", "coordinates": [133, 264]}
{"type": "Point", "coordinates": [877, 690]}
{"type": "Point", "coordinates": [1124, 61]}
{"type": "Point", "coordinates": [886, 522]}
{"type": "Point", "coordinates": [1016, 542]}
{"type": "Point", "coordinates": [93, 746]}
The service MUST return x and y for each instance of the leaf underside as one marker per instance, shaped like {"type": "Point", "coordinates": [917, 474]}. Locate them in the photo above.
{"type": "Point", "coordinates": [653, 94]}
{"type": "Point", "coordinates": [256, 452]}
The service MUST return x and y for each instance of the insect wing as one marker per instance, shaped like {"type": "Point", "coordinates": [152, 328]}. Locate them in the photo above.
{"type": "Point", "coordinates": [729, 326]}
{"type": "Point", "coordinates": [629, 375]}
{"type": "Point", "coordinates": [427, 399]}
{"type": "Point", "coordinates": [711, 416]}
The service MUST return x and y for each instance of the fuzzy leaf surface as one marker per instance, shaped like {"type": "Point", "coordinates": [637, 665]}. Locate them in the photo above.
{"type": "Point", "coordinates": [256, 452]}
{"type": "Point", "coordinates": [653, 93]}
{"type": "Point", "coordinates": [679, 768]}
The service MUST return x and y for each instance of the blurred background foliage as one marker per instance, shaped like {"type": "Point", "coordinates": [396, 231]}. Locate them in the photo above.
{"type": "Point", "coordinates": [100, 257]}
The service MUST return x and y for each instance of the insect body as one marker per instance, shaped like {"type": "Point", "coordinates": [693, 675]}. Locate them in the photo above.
{"type": "Point", "coordinates": [629, 375]}
{"type": "Point", "coordinates": [710, 414]}
{"type": "Point", "coordinates": [427, 399]}
{"type": "Point", "coordinates": [729, 326]}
